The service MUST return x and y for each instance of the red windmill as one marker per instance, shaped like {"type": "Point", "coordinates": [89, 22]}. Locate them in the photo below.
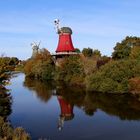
{"type": "Point", "coordinates": [65, 45]}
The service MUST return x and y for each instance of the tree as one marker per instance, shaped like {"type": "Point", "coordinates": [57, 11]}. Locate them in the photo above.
{"type": "Point", "coordinates": [41, 66]}
{"type": "Point", "coordinates": [135, 53]}
{"type": "Point", "coordinates": [14, 61]}
{"type": "Point", "coordinates": [87, 52]}
{"type": "Point", "coordinates": [122, 50]}
{"type": "Point", "coordinates": [7, 65]}
{"type": "Point", "coordinates": [77, 50]}
{"type": "Point", "coordinates": [96, 53]}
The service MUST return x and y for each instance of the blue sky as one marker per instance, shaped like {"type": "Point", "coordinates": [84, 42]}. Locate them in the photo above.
{"type": "Point", "coordinates": [97, 24]}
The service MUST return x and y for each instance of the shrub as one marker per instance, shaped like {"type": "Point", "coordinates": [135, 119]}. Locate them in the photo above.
{"type": "Point", "coordinates": [7, 132]}
{"type": "Point", "coordinates": [41, 67]}
{"type": "Point", "coordinates": [134, 85]}
{"type": "Point", "coordinates": [71, 70]}
{"type": "Point", "coordinates": [113, 76]}
{"type": "Point", "coordinates": [102, 61]}
{"type": "Point", "coordinates": [90, 65]}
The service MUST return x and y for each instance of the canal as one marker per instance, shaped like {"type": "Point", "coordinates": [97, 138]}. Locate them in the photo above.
{"type": "Point", "coordinates": [55, 111]}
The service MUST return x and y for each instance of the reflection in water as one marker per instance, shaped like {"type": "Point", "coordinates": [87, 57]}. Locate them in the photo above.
{"type": "Point", "coordinates": [80, 114]}
{"type": "Point", "coordinates": [43, 90]}
{"type": "Point", "coordinates": [124, 106]}
{"type": "Point", "coordinates": [66, 111]}
{"type": "Point", "coordinates": [7, 131]}
{"type": "Point", "coordinates": [5, 104]}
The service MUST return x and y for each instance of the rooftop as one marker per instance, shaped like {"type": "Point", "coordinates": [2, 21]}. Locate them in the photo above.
{"type": "Point", "coordinates": [65, 30]}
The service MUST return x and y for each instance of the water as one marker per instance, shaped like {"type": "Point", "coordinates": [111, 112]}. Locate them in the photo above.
{"type": "Point", "coordinates": [57, 112]}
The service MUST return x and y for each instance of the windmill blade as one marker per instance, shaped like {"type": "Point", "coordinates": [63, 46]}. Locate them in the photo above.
{"type": "Point", "coordinates": [35, 43]}
{"type": "Point", "coordinates": [57, 24]}
{"type": "Point", "coordinates": [39, 43]}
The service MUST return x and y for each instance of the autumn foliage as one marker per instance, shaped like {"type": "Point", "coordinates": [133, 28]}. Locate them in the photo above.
{"type": "Point", "coordinates": [41, 67]}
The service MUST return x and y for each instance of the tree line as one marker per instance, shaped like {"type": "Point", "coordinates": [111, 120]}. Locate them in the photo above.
{"type": "Point", "coordinates": [119, 73]}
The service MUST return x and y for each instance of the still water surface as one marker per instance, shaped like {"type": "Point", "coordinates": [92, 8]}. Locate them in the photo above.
{"type": "Point", "coordinates": [57, 112]}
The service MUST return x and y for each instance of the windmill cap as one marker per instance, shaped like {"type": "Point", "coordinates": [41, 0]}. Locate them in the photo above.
{"type": "Point", "coordinates": [65, 30]}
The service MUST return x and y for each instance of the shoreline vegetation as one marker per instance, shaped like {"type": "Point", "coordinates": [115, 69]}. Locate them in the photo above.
{"type": "Point", "coordinates": [117, 74]}
{"type": "Point", "coordinates": [7, 131]}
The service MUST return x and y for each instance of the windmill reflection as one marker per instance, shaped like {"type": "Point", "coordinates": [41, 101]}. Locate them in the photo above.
{"type": "Point", "coordinates": [44, 91]}
{"type": "Point", "coordinates": [66, 112]}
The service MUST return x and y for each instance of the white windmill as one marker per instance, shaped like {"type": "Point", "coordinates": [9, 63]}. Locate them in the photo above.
{"type": "Point", "coordinates": [35, 47]}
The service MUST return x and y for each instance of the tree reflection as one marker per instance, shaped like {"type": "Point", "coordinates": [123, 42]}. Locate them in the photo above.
{"type": "Point", "coordinates": [124, 106]}
{"type": "Point", "coordinates": [73, 94]}
{"type": "Point", "coordinates": [5, 104]}
{"type": "Point", "coordinates": [43, 90]}
{"type": "Point", "coordinates": [7, 132]}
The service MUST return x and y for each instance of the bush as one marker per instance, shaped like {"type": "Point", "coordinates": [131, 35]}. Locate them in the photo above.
{"type": "Point", "coordinates": [7, 65]}
{"type": "Point", "coordinates": [134, 85]}
{"type": "Point", "coordinates": [71, 70]}
{"type": "Point", "coordinates": [113, 76]}
{"type": "Point", "coordinates": [122, 50]}
{"type": "Point", "coordinates": [41, 67]}
{"type": "Point", "coordinates": [90, 65]}
{"type": "Point", "coordinates": [7, 132]}
{"type": "Point", "coordinates": [102, 61]}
